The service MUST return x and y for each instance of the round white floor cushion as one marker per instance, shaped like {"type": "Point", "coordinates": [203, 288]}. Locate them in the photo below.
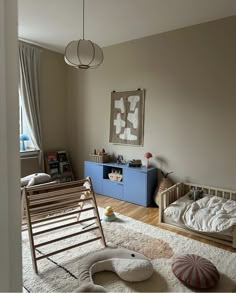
{"type": "Point", "coordinates": [128, 265]}
{"type": "Point", "coordinates": [195, 271]}
{"type": "Point", "coordinates": [34, 179]}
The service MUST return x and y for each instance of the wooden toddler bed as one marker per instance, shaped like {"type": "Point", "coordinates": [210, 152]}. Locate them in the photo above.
{"type": "Point", "coordinates": [177, 192]}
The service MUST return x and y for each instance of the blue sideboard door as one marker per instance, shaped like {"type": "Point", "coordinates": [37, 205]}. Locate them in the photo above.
{"type": "Point", "coordinates": [113, 189]}
{"type": "Point", "coordinates": [135, 186]}
{"type": "Point", "coordinates": [95, 171]}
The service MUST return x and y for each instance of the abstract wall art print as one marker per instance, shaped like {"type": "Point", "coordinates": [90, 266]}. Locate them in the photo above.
{"type": "Point", "coordinates": [127, 117]}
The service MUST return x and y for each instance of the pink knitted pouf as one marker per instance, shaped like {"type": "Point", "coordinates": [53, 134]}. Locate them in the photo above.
{"type": "Point", "coordinates": [195, 271]}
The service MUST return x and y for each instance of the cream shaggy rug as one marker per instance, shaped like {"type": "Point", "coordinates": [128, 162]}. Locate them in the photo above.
{"type": "Point", "coordinates": [59, 272]}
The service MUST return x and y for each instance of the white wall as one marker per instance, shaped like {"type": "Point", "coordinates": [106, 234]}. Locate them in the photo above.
{"type": "Point", "coordinates": [189, 75]}
{"type": "Point", "coordinates": [10, 221]}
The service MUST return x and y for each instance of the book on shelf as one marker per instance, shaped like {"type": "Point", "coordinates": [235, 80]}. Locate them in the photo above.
{"type": "Point", "coordinates": [65, 167]}
{"type": "Point", "coordinates": [52, 156]}
{"type": "Point", "coordinates": [53, 164]}
{"type": "Point", "coordinates": [55, 173]}
{"type": "Point", "coordinates": [62, 156]}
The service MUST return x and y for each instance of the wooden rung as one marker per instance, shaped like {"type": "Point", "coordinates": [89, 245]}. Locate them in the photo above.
{"type": "Point", "coordinates": [59, 204]}
{"type": "Point", "coordinates": [59, 210]}
{"type": "Point", "coordinates": [54, 210]}
{"type": "Point", "coordinates": [65, 237]}
{"type": "Point", "coordinates": [54, 186]}
{"type": "Point", "coordinates": [53, 206]}
{"type": "Point", "coordinates": [58, 193]}
{"type": "Point", "coordinates": [61, 227]}
{"type": "Point", "coordinates": [69, 247]}
{"type": "Point", "coordinates": [57, 217]}
{"type": "Point", "coordinates": [55, 198]}
{"type": "Point", "coordinates": [51, 223]}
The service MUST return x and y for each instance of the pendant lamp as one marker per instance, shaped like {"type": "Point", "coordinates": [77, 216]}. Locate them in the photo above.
{"type": "Point", "coordinates": [83, 53]}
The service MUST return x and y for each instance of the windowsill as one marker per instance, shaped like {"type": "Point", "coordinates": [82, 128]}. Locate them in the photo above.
{"type": "Point", "coordinates": [29, 154]}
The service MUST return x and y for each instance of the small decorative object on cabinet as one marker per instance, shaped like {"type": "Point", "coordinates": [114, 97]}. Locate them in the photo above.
{"type": "Point", "coordinates": [147, 156]}
{"type": "Point", "coordinates": [120, 159]}
{"type": "Point", "coordinates": [99, 156]}
{"type": "Point", "coordinates": [58, 166]}
{"type": "Point", "coordinates": [115, 175]}
{"type": "Point", "coordinates": [135, 163]}
{"type": "Point", "coordinates": [137, 185]}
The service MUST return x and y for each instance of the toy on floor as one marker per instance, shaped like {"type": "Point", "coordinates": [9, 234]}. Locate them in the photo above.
{"type": "Point", "coordinates": [128, 265]}
{"type": "Point", "coordinates": [108, 214]}
{"type": "Point", "coordinates": [35, 179]}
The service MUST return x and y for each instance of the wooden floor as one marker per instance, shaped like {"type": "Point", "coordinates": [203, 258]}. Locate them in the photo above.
{"type": "Point", "coordinates": [147, 215]}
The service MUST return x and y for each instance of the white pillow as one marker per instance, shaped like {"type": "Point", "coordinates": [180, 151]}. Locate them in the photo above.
{"type": "Point", "coordinates": [34, 179]}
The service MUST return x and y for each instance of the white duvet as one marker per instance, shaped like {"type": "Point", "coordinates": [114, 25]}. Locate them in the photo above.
{"type": "Point", "coordinates": [210, 214]}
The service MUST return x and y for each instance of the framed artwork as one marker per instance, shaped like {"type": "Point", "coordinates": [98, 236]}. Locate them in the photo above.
{"type": "Point", "coordinates": [127, 117]}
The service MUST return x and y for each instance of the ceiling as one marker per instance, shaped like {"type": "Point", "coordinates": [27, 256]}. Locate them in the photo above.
{"type": "Point", "coordinates": [54, 23]}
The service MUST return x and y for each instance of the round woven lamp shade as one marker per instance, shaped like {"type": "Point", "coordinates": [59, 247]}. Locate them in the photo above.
{"type": "Point", "coordinates": [195, 271]}
{"type": "Point", "coordinates": [83, 54]}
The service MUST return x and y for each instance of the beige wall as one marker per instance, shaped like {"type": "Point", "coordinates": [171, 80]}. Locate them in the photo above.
{"type": "Point", "coordinates": [190, 80]}
{"type": "Point", "coordinates": [53, 85]}
{"type": "Point", "coordinates": [53, 92]}
{"type": "Point", "coordinates": [29, 166]}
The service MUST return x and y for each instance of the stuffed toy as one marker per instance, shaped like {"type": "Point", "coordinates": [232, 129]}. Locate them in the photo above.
{"type": "Point", "coordinates": [196, 194]}
{"type": "Point", "coordinates": [34, 179]}
{"type": "Point", "coordinates": [128, 265]}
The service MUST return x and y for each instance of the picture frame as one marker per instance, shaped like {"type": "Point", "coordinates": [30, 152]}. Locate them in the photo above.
{"type": "Point", "coordinates": [127, 117]}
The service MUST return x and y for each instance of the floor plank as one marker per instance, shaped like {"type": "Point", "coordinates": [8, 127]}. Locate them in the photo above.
{"type": "Point", "coordinates": [147, 215]}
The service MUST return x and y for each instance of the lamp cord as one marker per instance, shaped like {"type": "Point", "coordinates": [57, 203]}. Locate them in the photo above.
{"type": "Point", "coordinates": [83, 19]}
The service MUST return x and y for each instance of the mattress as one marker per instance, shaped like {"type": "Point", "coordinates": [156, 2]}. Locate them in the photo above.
{"type": "Point", "coordinates": [174, 212]}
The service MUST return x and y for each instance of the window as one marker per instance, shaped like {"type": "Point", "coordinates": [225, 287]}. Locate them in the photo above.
{"type": "Point", "coordinates": [24, 130]}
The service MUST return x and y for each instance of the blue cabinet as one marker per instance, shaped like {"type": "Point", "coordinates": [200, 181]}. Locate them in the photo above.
{"type": "Point", "coordinates": [113, 189]}
{"type": "Point", "coordinates": [94, 171]}
{"type": "Point", "coordinates": [137, 186]}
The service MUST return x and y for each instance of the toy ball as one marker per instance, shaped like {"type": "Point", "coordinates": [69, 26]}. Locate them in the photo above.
{"type": "Point", "coordinates": [108, 214]}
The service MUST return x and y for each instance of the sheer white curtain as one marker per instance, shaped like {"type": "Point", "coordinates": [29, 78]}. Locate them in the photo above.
{"type": "Point", "coordinates": [29, 59]}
